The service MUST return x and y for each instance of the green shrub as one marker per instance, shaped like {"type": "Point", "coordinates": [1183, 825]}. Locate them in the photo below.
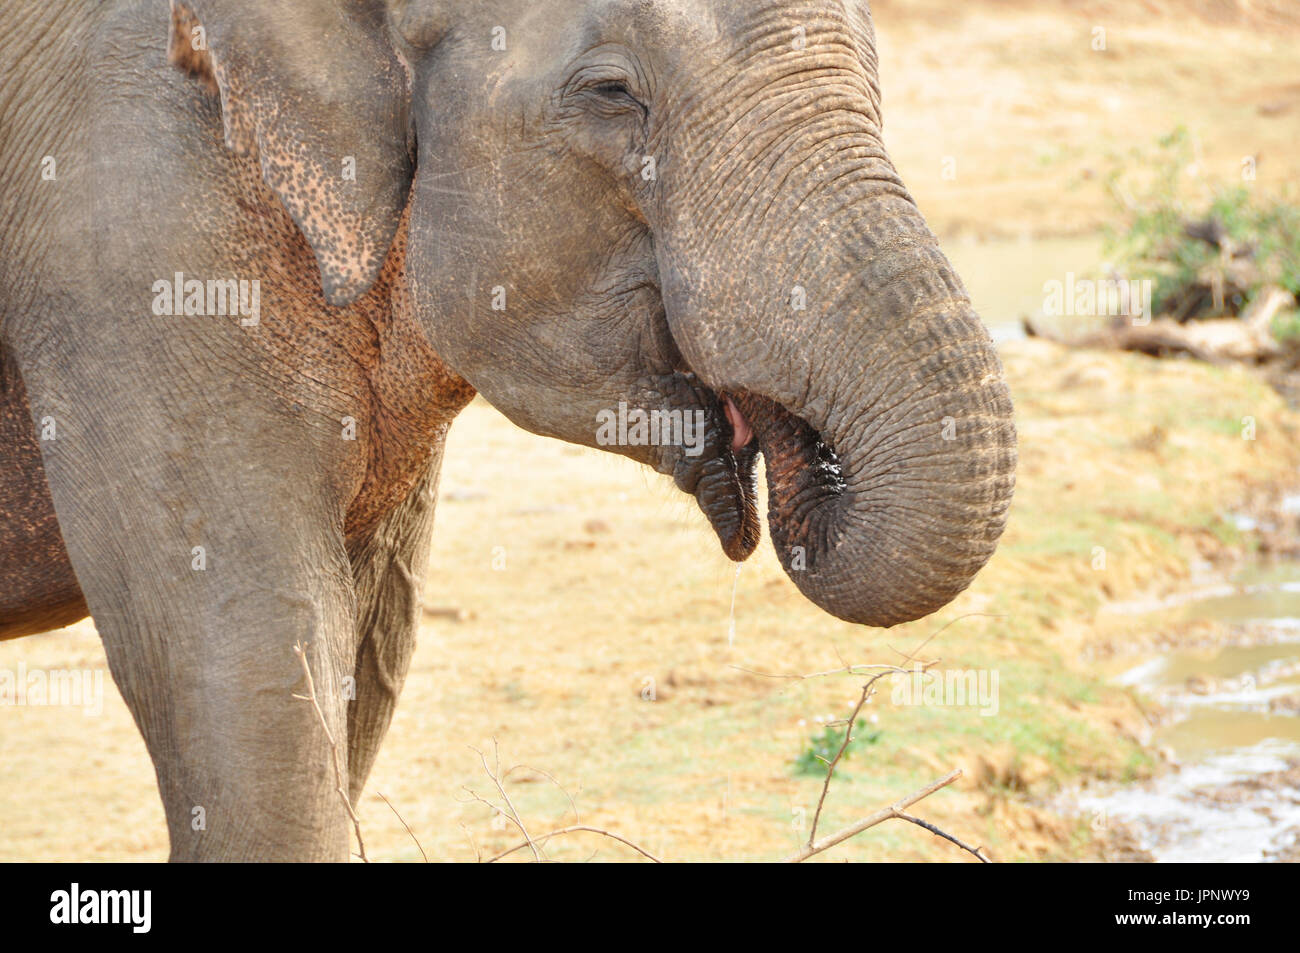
{"type": "Point", "coordinates": [821, 749]}
{"type": "Point", "coordinates": [1205, 248]}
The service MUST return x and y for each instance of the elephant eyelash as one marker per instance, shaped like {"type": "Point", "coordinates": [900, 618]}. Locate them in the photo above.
{"type": "Point", "coordinates": [617, 91]}
{"type": "Point", "coordinates": [613, 88]}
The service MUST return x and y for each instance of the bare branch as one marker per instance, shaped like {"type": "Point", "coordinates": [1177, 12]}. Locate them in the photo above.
{"type": "Point", "coordinates": [847, 670]}
{"type": "Point", "coordinates": [573, 830]}
{"type": "Point", "coordinates": [478, 854]}
{"type": "Point", "coordinates": [533, 843]}
{"type": "Point", "coordinates": [510, 811]}
{"type": "Point", "coordinates": [911, 656]}
{"type": "Point", "coordinates": [300, 650]}
{"type": "Point", "coordinates": [977, 851]}
{"type": "Point", "coordinates": [406, 825]}
{"type": "Point", "coordinates": [895, 810]}
{"type": "Point", "coordinates": [813, 846]}
{"type": "Point", "coordinates": [573, 805]}
{"type": "Point", "coordinates": [867, 690]}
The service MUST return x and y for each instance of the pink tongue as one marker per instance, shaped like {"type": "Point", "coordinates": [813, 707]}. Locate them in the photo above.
{"type": "Point", "coordinates": [740, 429]}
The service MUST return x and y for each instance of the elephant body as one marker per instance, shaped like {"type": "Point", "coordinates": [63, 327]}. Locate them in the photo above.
{"type": "Point", "coordinates": [549, 203]}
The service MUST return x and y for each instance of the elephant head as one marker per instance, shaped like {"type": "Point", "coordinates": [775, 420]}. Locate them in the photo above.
{"type": "Point", "coordinates": [632, 211]}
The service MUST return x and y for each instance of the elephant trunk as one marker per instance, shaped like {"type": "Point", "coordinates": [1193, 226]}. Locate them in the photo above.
{"type": "Point", "coordinates": [872, 390]}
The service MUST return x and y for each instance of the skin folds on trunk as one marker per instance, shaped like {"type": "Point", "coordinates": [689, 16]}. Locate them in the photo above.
{"type": "Point", "coordinates": [888, 516]}
{"type": "Point", "coordinates": [801, 283]}
{"type": "Point", "coordinates": [880, 410]}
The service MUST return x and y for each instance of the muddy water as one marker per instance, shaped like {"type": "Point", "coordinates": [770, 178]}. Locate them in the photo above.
{"type": "Point", "coordinates": [1233, 731]}
{"type": "Point", "coordinates": [1005, 278]}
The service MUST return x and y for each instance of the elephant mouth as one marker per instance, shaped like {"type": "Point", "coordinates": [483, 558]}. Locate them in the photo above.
{"type": "Point", "coordinates": [806, 488]}
{"type": "Point", "coordinates": [722, 477]}
{"type": "Point", "coordinates": [804, 478]}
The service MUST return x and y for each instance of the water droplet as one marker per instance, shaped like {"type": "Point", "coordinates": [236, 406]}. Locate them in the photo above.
{"type": "Point", "coordinates": [731, 623]}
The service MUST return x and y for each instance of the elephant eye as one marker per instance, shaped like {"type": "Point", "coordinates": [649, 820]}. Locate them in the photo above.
{"type": "Point", "coordinates": [617, 94]}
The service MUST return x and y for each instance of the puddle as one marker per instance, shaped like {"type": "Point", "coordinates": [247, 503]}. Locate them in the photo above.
{"type": "Point", "coordinates": [1241, 806]}
{"type": "Point", "coordinates": [1005, 278]}
{"type": "Point", "coordinates": [1234, 731]}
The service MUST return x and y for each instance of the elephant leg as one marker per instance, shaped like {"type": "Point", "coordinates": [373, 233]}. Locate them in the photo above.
{"type": "Point", "coordinates": [38, 590]}
{"type": "Point", "coordinates": [388, 569]}
{"type": "Point", "coordinates": [205, 530]}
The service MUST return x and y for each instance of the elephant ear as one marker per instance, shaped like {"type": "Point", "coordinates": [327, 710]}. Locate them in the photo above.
{"type": "Point", "coordinates": [316, 91]}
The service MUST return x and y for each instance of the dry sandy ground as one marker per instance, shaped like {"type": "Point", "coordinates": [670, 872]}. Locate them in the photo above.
{"type": "Point", "coordinates": [1031, 115]}
{"type": "Point", "coordinates": [612, 584]}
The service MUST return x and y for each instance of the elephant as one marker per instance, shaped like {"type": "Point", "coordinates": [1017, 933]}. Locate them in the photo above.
{"type": "Point", "coordinates": [260, 253]}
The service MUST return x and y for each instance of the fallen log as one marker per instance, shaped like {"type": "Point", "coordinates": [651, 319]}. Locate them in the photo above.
{"type": "Point", "coordinates": [1248, 339]}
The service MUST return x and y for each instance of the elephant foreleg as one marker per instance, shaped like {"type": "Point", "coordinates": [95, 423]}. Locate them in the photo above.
{"type": "Point", "coordinates": [388, 569]}
{"type": "Point", "coordinates": [208, 541]}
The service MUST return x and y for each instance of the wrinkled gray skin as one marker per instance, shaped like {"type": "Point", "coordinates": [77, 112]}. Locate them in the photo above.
{"type": "Point", "coordinates": [769, 254]}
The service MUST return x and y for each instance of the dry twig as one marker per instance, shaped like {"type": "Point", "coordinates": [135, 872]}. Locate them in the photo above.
{"type": "Point", "coordinates": [406, 825]}
{"type": "Point", "coordinates": [894, 810]}
{"type": "Point", "coordinates": [867, 691]}
{"type": "Point", "coordinates": [813, 846]}
{"type": "Point", "coordinates": [478, 854]}
{"type": "Point", "coordinates": [977, 851]}
{"type": "Point", "coordinates": [509, 813]}
{"type": "Point", "coordinates": [300, 650]}
{"type": "Point", "coordinates": [573, 830]}
{"type": "Point", "coordinates": [533, 843]}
